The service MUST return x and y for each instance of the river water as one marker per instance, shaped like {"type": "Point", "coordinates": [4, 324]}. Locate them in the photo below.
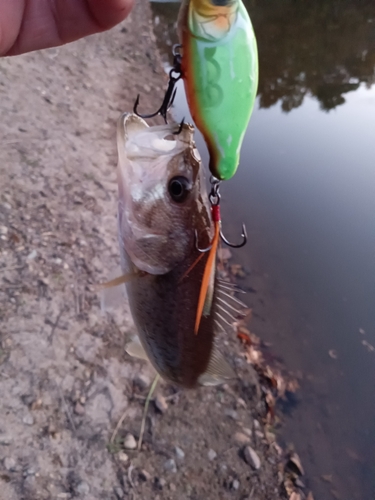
{"type": "Point", "coordinates": [306, 190]}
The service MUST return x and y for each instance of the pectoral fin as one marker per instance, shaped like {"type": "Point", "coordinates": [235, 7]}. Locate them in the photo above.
{"type": "Point", "coordinates": [218, 370]}
{"type": "Point", "coordinates": [120, 280]}
{"type": "Point", "coordinates": [135, 349]}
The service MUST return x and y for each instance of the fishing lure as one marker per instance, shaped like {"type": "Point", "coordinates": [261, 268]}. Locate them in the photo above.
{"type": "Point", "coordinates": [220, 71]}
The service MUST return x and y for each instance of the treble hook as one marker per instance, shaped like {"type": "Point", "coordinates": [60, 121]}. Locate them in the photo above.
{"type": "Point", "coordinates": [171, 91]}
{"type": "Point", "coordinates": [215, 198]}
{"type": "Point", "coordinates": [243, 242]}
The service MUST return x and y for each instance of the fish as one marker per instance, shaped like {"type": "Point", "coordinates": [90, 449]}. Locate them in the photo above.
{"type": "Point", "coordinates": [163, 215]}
{"type": "Point", "coordinates": [220, 72]}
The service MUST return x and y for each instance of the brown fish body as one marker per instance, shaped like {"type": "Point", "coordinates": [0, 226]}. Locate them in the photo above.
{"type": "Point", "coordinates": [164, 310]}
{"type": "Point", "coordinates": [157, 235]}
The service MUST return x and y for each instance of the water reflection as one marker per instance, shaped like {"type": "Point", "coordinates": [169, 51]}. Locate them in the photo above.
{"type": "Point", "coordinates": [323, 49]}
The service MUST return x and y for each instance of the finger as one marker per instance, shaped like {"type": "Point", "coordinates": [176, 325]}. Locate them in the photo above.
{"type": "Point", "coordinates": [48, 23]}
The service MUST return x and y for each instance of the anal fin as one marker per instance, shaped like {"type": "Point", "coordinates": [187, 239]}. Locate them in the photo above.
{"type": "Point", "coordinates": [218, 370]}
{"type": "Point", "coordinates": [135, 349]}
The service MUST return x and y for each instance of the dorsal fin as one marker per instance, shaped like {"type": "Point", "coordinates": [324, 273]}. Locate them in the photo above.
{"type": "Point", "coordinates": [218, 370]}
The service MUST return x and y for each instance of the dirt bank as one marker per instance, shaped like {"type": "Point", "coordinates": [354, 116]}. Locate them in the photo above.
{"type": "Point", "coordinates": [64, 377]}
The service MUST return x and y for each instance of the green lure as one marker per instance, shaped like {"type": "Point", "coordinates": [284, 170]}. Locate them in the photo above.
{"type": "Point", "coordinates": [220, 72]}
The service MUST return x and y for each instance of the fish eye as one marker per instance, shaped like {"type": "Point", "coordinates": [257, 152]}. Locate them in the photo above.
{"type": "Point", "coordinates": [179, 187]}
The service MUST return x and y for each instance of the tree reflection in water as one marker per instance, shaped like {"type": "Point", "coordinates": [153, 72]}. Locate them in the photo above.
{"type": "Point", "coordinates": [323, 48]}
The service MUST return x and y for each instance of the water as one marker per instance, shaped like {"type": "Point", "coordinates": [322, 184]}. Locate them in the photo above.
{"type": "Point", "coordinates": [306, 190]}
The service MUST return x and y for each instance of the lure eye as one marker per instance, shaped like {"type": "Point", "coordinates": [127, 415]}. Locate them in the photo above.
{"type": "Point", "coordinates": [179, 188]}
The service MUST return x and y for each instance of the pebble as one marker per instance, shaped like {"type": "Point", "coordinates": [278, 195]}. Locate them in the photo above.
{"type": "Point", "coordinates": [241, 402]}
{"type": "Point", "coordinates": [129, 442]}
{"type": "Point", "coordinates": [170, 465]}
{"type": "Point", "coordinates": [28, 419]}
{"type": "Point", "coordinates": [3, 230]}
{"type": "Point", "coordinates": [231, 414]}
{"type": "Point", "coordinates": [83, 488]}
{"type": "Point", "coordinates": [142, 381]}
{"type": "Point", "coordinates": [119, 492]}
{"type": "Point", "coordinates": [247, 431]}
{"type": "Point", "coordinates": [144, 475]}
{"type": "Point", "coordinates": [251, 457]}
{"type": "Point", "coordinates": [5, 440]}
{"type": "Point", "coordinates": [241, 438]}
{"type": "Point", "coordinates": [123, 457]}
{"type": "Point", "coordinates": [161, 403]}
{"type": "Point", "coordinates": [160, 482]}
{"type": "Point", "coordinates": [9, 463]}
{"type": "Point", "coordinates": [32, 255]}
{"type": "Point", "coordinates": [235, 484]}
{"type": "Point", "coordinates": [211, 454]}
{"type": "Point", "coordinates": [79, 409]}
{"type": "Point", "coordinates": [180, 453]}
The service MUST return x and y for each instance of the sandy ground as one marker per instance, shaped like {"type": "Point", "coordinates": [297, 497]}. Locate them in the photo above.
{"type": "Point", "coordinates": [65, 379]}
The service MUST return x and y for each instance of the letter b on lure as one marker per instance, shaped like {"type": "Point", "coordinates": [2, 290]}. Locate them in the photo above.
{"type": "Point", "coordinates": [220, 71]}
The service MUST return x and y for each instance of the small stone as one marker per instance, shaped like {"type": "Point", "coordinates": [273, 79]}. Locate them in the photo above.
{"type": "Point", "coordinates": [63, 495]}
{"type": "Point", "coordinates": [211, 454]}
{"type": "Point", "coordinates": [251, 457]}
{"type": "Point", "coordinates": [235, 484]}
{"type": "Point", "coordinates": [180, 453]}
{"type": "Point", "coordinates": [247, 431]}
{"type": "Point", "coordinates": [119, 492]}
{"type": "Point", "coordinates": [3, 230]}
{"type": "Point", "coordinates": [142, 381]}
{"type": "Point", "coordinates": [241, 403]}
{"type": "Point", "coordinates": [170, 465]}
{"type": "Point", "coordinates": [83, 488]}
{"type": "Point", "coordinates": [144, 475]}
{"type": "Point", "coordinates": [28, 419]}
{"type": "Point", "coordinates": [129, 442]}
{"type": "Point", "coordinates": [241, 438]}
{"type": "Point", "coordinates": [32, 255]}
{"type": "Point", "coordinates": [161, 403]}
{"type": "Point", "coordinates": [172, 487]}
{"type": "Point", "coordinates": [256, 424]}
{"type": "Point", "coordinates": [9, 463]}
{"type": "Point", "coordinates": [5, 440]}
{"type": "Point", "coordinates": [79, 409]}
{"type": "Point", "coordinates": [29, 472]}
{"type": "Point", "coordinates": [231, 414]}
{"type": "Point", "coordinates": [160, 482]}
{"type": "Point", "coordinates": [123, 457]}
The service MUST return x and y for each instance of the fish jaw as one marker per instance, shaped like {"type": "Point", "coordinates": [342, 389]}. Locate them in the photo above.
{"type": "Point", "coordinates": [156, 232]}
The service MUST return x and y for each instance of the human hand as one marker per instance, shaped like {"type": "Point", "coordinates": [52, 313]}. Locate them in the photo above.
{"type": "Point", "coordinates": [27, 25]}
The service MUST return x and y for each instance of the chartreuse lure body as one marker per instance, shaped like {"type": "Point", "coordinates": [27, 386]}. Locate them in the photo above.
{"type": "Point", "coordinates": [220, 72]}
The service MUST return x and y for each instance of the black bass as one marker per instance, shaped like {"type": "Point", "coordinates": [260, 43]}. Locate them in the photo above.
{"type": "Point", "coordinates": [164, 216]}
